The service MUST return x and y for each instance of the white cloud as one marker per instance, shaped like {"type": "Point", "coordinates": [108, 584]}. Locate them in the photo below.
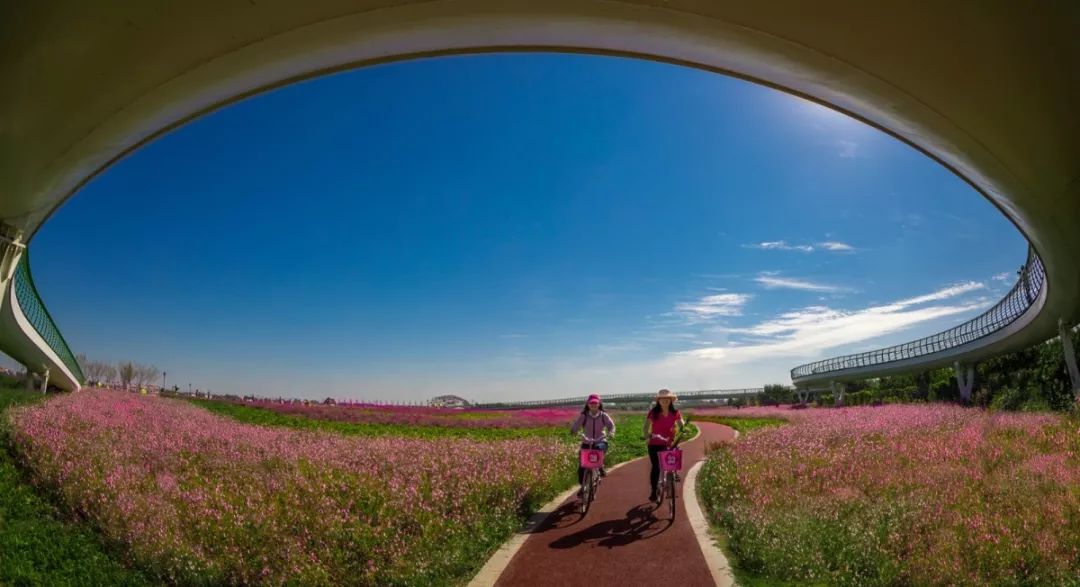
{"type": "Point", "coordinates": [942, 294]}
{"type": "Point", "coordinates": [1002, 276]}
{"type": "Point", "coordinates": [836, 246]}
{"type": "Point", "coordinates": [812, 330]}
{"type": "Point", "coordinates": [774, 282]}
{"type": "Point", "coordinates": [714, 306]}
{"type": "Point", "coordinates": [779, 246]}
{"type": "Point", "coordinates": [847, 149]}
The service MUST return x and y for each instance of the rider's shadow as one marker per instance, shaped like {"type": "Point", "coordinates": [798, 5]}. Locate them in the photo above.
{"type": "Point", "coordinates": [566, 515]}
{"type": "Point", "coordinates": [639, 524]}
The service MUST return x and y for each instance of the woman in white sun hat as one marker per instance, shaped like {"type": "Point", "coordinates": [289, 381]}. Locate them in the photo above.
{"type": "Point", "coordinates": [660, 432]}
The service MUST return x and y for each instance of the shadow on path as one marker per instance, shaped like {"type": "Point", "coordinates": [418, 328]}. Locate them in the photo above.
{"type": "Point", "coordinates": [564, 516]}
{"type": "Point", "coordinates": [639, 524]}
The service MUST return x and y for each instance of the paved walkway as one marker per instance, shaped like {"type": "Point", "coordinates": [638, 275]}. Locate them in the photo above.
{"type": "Point", "coordinates": [618, 542]}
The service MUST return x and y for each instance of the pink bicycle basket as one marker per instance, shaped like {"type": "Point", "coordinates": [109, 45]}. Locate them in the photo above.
{"type": "Point", "coordinates": [670, 460]}
{"type": "Point", "coordinates": [591, 458]}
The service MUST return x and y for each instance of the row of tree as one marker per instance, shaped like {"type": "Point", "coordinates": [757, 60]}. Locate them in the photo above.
{"type": "Point", "coordinates": [124, 374]}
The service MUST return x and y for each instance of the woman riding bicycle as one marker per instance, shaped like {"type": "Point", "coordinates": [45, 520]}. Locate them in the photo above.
{"type": "Point", "coordinates": [660, 432]}
{"type": "Point", "coordinates": [593, 423]}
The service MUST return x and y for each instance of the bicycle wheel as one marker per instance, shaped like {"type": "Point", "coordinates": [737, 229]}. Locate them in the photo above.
{"type": "Point", "coordinates": [586, 491]}
{"type": "Point", "coordinates": [671, 494]}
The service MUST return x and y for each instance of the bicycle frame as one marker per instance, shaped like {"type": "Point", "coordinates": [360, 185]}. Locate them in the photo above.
{"type": "Point", "coordinates": [590, 481]}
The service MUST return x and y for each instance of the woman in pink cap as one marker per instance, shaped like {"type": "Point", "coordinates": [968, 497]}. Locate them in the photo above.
{"type": "Point", "coordinates": [593, 423]}
{"type": "Point", "coordinates": [660, 432]}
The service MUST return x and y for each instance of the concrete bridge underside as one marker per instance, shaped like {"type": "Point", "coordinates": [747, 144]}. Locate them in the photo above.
{"type": "Point", "coordinates": [989, 88]}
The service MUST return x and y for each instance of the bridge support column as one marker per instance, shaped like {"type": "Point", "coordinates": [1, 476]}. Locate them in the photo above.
{"type": "Point", "coordinates": [44, 378]}
{"type": "Point", "coordinates": [28, 382]}
{"type": "Point", "coordinates": [838, 393]}
{"type": "Point", "coordinates": [965, 383]}
{"type": "Point", "coordinates": [1070, 357]}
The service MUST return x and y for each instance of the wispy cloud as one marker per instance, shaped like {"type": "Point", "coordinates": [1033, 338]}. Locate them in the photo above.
{"type": "Point", "coordinates": [779, 246]}
{"type": "Point", "coordinates": [514, 335]}
{"type": "Point", "coordinates": [776, 282]}
{"type": "Point", "coordinates": [836, 246]}
{"type": "Point", "coordinates": [847, 149]}
{"type": "Point", "coordinates": [942, 294]}
{"type": "Point", "coordinates": [832, 246]}
{"type": "Point", "coordinates": [811, 330]}
{"type": "Point", "coordinates": [1002, 276]}
{"type": "Point", "coordinates": [714, 306]}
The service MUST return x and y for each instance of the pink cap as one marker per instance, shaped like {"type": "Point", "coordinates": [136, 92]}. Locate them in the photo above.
{"type": "Point", "coordinates": [593, 399]}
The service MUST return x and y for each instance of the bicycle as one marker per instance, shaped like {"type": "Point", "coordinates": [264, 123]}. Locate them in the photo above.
{"type": "Point", "coordinates": [670, 465]}
{"type": "Point", "coordinates": [591, 459]}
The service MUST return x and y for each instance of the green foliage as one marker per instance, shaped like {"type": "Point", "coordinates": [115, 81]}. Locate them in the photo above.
{"type": "Point", "coordinates": [1031, 379]}
{"type": "Point", "coordinates": [625, 446]}
{"type": "Point", "coordinates": [38, 546]}
{"type": "Point", "coordinates": [775, 394]}
{"type": "Point", "coordinates": [743, 425]}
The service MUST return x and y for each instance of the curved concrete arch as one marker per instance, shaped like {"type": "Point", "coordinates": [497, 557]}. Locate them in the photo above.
{"type": "Point", "coordinates": [989, 89]}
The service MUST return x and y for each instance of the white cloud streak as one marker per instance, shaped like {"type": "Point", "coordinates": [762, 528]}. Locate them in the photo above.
{"type": "Point", "coordinates": [714, 306]}
{"type": "Point", "coordinates": [847, 149]}
{"type": "Point", "coordinates": [814, 329]}
{"type": "Point", "coordinates": [774, 282]}
{"type": "Point", "coordinates": [781, 245]}
{"type": "Point", "coordinates": [836, 246]}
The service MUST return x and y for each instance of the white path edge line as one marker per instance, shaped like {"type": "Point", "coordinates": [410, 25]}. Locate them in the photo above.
{"type": "Point", "coordinates": [718, 564]}
{"type": "Point", "coordinates": [491, 571]}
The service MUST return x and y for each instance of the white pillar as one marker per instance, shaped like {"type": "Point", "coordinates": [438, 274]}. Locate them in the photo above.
{"type": "Point", "coordinates": [838, 393]}
{"type": "Point", "coordinates": [965, 384]}
{"type": "Point", "coordinates": [45, 379]}
{"type": "Point", "coordinates": [1070, 357]}
{"type": "Point", "coordinates": [29, 379]}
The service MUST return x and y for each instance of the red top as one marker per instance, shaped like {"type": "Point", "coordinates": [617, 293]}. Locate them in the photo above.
{"type": "Point", "coordinates": [664, 426]}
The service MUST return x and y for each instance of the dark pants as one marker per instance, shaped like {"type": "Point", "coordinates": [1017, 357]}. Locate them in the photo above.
{"type": "Point", "coordinates": [581, 470]}
{"type": "Point", "coordinates": [654, 458]}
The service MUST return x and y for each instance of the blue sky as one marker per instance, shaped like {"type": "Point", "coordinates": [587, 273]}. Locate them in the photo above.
{"type": "Point", "coordinates": [510, 226]}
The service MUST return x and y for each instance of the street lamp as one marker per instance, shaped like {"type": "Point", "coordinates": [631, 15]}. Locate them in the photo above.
{"type": "Point", "coordinates": [163, 381]}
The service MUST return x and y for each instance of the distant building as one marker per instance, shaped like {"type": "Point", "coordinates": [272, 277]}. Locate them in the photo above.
{"type": "Point", "coordinates": [448, 401]}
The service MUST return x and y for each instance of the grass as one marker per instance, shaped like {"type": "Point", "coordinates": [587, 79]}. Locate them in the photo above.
{"type": "Point", "coordinates": [625, 446]}
{"type": "Point", "coordinates": [899, 496]}
{"type": "Point", "coordinates": [38, 546]}
{"type": "Point", "coordinates": [743, 425]}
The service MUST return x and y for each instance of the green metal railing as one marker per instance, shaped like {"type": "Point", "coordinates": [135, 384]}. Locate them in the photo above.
{"type": "Point", "coordinates": [34, 310]}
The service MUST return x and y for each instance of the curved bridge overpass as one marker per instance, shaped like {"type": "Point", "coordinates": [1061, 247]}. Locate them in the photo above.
{"type": "Point", "coordinates": [974, 339]}
{"type": "Point", "coordinates": [988, 89]}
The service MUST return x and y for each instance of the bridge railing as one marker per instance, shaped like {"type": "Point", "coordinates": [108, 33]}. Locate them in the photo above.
{"type": "Point", "coordinates": [1023, 294]}
{"type": "Point", "coordinates": [34, 310]}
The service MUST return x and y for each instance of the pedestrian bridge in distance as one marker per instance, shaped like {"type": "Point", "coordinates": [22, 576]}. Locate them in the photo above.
{"type": "Point", "coordinates": [624, 398]}
{"type": "Point", "coordinates": [987, 89]}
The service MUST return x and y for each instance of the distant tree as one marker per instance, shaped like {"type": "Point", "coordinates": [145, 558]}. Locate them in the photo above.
{"type": "Point", "coordinates": [775, 394]}
{"type": "Point", "coordinates": [126, 370]}
{"type": "Point", "coordinates": [145, 374]}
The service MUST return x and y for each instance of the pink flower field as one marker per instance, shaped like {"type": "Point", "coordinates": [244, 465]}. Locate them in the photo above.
{"type": "Point", "coordinates": [902, 495]}
{"type": "Point", "coordinates": [193, 497]}
{"type": "Point", "coordinates": [425, 416]}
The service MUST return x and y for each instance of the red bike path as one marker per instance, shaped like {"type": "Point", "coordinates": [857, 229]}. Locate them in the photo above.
{"type": "Point", "coordinates": [623, 540]}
